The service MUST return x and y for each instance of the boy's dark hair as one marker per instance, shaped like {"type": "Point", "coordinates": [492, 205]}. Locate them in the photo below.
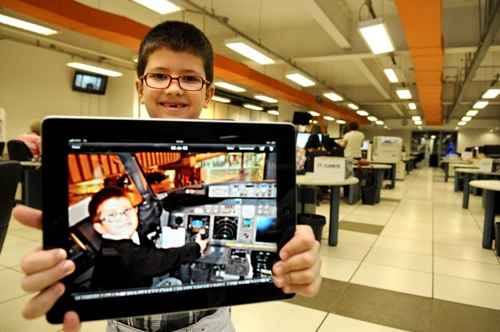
{"type": "Point", "coordinates": [101, 196]}
{"type": "Point", "coordinates": [179, 37]}
{"type": "Point", "coordinates": [353, 126]}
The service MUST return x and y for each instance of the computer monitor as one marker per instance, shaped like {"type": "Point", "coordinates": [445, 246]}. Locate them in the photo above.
{"type": "Point", "coordinates": [302, 139]}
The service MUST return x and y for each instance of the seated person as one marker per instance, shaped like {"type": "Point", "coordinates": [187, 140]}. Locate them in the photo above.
{"type": "Point", "coordinates": [122, 262]}
{"type": "Point", "coordinates": [32, 139]}
{"type": "Point", "coordinates": [313, 149]}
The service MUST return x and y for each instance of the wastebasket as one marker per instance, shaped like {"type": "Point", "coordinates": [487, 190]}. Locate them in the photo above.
{"type": "Point", "coordinates": [316, 221]}
{"type": "Point", "coordinates": [369, 194]}
{"type": "Point", "coordinates": [497, 237]}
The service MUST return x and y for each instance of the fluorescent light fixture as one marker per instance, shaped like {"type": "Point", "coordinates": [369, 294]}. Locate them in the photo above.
{"type": "Point", "coordinates": [391, 75]}
{"type": "Point", "coordinates": [300, 79]}
{"type": "Point", "coordinates": [273, 112]}
{"type": "Point", "coordinates": [379, 122]}
{"type": "Point", "coordinates": [372, 118]}
{"type": "Point", "coordinates": [328, 118]}
{"type": "Point", "coordinates": [229, 86]}
{"type": "Point", "coordinates": [412, 106]}
{"type": "Point", "coordinates": [472, 113]}
{"type": "Point", "coordinates": [160, 6]}
{"type": "Point", "coordinates": [385, 127]}
{"type": "Point", "coordinates": [94, 69]}
{"type": "Point", "coordinates": [341, 122]}
{"type": "Point", "coordinates": [480, 104]}
{"type": "Point", "coordinates": [314, 113]}
{"type": "Point", "coordinates": [417, 123]}
{"type": "Point", "coordinates": [221, 99]}
{"type": "Point", "coordinates": [491, 93]}
{"type": "Point", "coordinates": [266, 99]}
{"type": "Point", "coordinates": [416, 118]}
{"type": "Point", "coordinates": [314, 121]}
{"type": "Point", "coordinates": [253, 107]}
{"type": "Point", "coordinates": [245, 49]}
{"type": "Point", "coordinates": [25, 25]}
{"type": "Point", "coordinates": [376, 36]}
{"type": "Point", "coordinates": [362, 113]}
{"type": "Point", "coordinates": [333, 96]}
{"type": "Point", "coordinates": [462, 123]}
{"type": "Point", "coordinates": [353, 106]}
{"type": "Point", "coordinates": [403, 93]}
{"type": "Point", "coordinates": [466, 118]}
{"type": "Point", "coordinates": [136, 59]}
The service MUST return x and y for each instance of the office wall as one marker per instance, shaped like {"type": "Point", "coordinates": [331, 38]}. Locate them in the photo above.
{"type": "Point", "coordinates": [35, 82]}
{"type": "Point", "coordinates": [404, 134]}
{"type": "Point", "coordinates": [475, 137]}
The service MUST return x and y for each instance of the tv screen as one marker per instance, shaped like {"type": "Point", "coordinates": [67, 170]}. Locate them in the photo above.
{"type": "Point", "coordinates": [301, 118]}
{"type": "Point", "coordinates": [89, 83]}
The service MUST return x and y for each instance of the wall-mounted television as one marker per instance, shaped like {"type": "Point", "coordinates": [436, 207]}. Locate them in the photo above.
{"type": "Point", "coordinates": [301, 118]}
{"type": "Point", "coordinates": [89, 82]}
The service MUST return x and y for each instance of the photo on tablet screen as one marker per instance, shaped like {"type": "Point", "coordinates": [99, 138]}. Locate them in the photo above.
{"type": "Point", "coordinates": [171, 217]}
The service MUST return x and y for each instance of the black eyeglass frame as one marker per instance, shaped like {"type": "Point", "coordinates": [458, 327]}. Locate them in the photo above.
{"type": "Point", "coordinates": [144, 77]}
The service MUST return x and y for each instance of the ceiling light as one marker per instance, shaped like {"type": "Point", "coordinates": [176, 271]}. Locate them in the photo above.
{"type": "Point", "coordinates": [314, 113]}
{"type": "Point", "coordinates": [391, 75]}
{"type": "Point", "coordinates": [253, 107]}
{"type": "Point", "coordinates": [412, 106]}
{"type": "Point", "coordinates": [300, 79]}
{"type": "Point", "coordinates": [379, 122]}
{"type": "Point", "coordinates": [472, 113]}
{"type": "Point", "coordinates": [273, 112]}
{"type": "Point", "coordinates": [362, 113]}
{"type": "Point", "coordinates": [480, 104]}
{"type": "Point", "coordinates": [266, 99]}
{"type": "Point", "coordinates": [25, 25]}
{"type": "Point", "coordinates": [221, 99]}
{"type": "Point", "coordinates": [403, 93]}
{"type": "Point", "coordinates": [160, 6]}
{"type": "Point", "coordinates": [249, 51]}
{"type": "Point", "coordinates": [333, 96]}
{"type": "Point", "coordinates": [372, 118]}
{"type": "Point", "coordinates": [462, 123]}
{"type": "Point", "coordinates": [491, 93]}
{"type": "Point", "coordinates": [418, 122]}
{"type": "Point", "coordinates": [328, 118]}
{"type": "Point", "coordinates": [341, 122]}
{"type": "Point", "coordinates": [229, 86]}
{"type": "Point", "coordinates": [314, 121]}
{"type": "Point", "coordinates": [376, 36]}
{"type": "Point", "coordinates": [136, 59]}
{"type": "Point", "coordinates": [466, 118]}
{"type": "Point", "coordinates": [94, 69]}
{"type": "Point", "coordinates": [353, 106]}
{"type": "Point", "coordinates": [385, 127]}
{"type": "Point", "coordinates": [416, 118]}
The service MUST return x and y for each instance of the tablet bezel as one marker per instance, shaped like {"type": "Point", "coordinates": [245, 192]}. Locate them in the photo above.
{"type": "Point", "coordinates": [56, 133]}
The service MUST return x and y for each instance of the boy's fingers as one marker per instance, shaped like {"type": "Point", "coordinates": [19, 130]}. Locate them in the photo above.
{"type": "Point", "coordinates": [28, 216]}
{"type": "Point", "coordinates": [41, 260]}
{"type": "Point", "coordinates": [303, 261]}
{"type": "Point", "coordinates": [42, 302]}
{"type": "Point", "coordinates": [303, 277]}
{"type": "Point", "coordinates": [303, 240]}
{"type": "Point", "coordinates": [43, 279]}
{"type": "Point", "coordinates": [71, 322]}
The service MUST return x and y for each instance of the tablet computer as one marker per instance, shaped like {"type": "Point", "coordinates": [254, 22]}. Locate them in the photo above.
{"type": "Point", "coordinates": [166, 215]}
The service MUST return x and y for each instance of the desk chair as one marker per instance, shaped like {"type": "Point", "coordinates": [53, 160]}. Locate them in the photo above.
{"type": "Point", "coordinates": [10, 174]}
{"type": "Point", "coordinates": [18, 150]}
{"type": "Point", "coordinates": [2, 147]}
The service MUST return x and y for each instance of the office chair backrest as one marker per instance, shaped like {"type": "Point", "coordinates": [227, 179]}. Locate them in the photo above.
{"type": "Point", "coordinates": [10, 174]}
{"type": "Point", "coordinates": [2, 146]}
{"type": "Point", "coordinates": [18, 150]}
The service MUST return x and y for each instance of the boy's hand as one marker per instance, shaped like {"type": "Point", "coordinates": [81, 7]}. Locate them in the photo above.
{"type": "Point", "coordinates": [43, 270]}
{"type": "Point", "coordinates": [299, 268]}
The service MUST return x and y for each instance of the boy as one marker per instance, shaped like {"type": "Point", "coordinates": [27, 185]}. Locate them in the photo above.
{"type": "Point", "coordinates": [175, 75]}
{"type": "Point", "coordinates": [116, 220]}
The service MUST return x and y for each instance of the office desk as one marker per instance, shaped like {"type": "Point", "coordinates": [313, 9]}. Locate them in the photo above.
{"type": "Point", "coordinates": [492, 208]}
{"type": "Point", "coordinates": [454, 164]}
{"type": "Point", "coordinates": [312, 180]}
{"type": "Point", "coordinates": [468, 175]}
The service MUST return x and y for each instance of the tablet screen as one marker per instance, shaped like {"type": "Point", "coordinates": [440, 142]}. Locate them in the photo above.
{"type": "Point", "coordinates": [150, 218]}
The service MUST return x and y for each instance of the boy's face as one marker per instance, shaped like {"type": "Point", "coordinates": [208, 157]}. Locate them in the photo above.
{"type": "Point", "coordinates": [173, 102]}
{"type": "Point", "coordinates": [118, 218]}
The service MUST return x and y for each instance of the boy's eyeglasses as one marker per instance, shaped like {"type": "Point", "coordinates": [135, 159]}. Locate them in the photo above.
{"type": "Point", "coordinates": [163, 81]}
{"type": "Point", "coordinates": [116, 216]}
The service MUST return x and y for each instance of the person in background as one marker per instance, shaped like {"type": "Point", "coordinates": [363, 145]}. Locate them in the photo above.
{"type": "Point", "coordinates": [352, 141]}
{"type": "Point", "coordinates": [33, 140]}
{"type": "Point", "coordinates": [313, 149]}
